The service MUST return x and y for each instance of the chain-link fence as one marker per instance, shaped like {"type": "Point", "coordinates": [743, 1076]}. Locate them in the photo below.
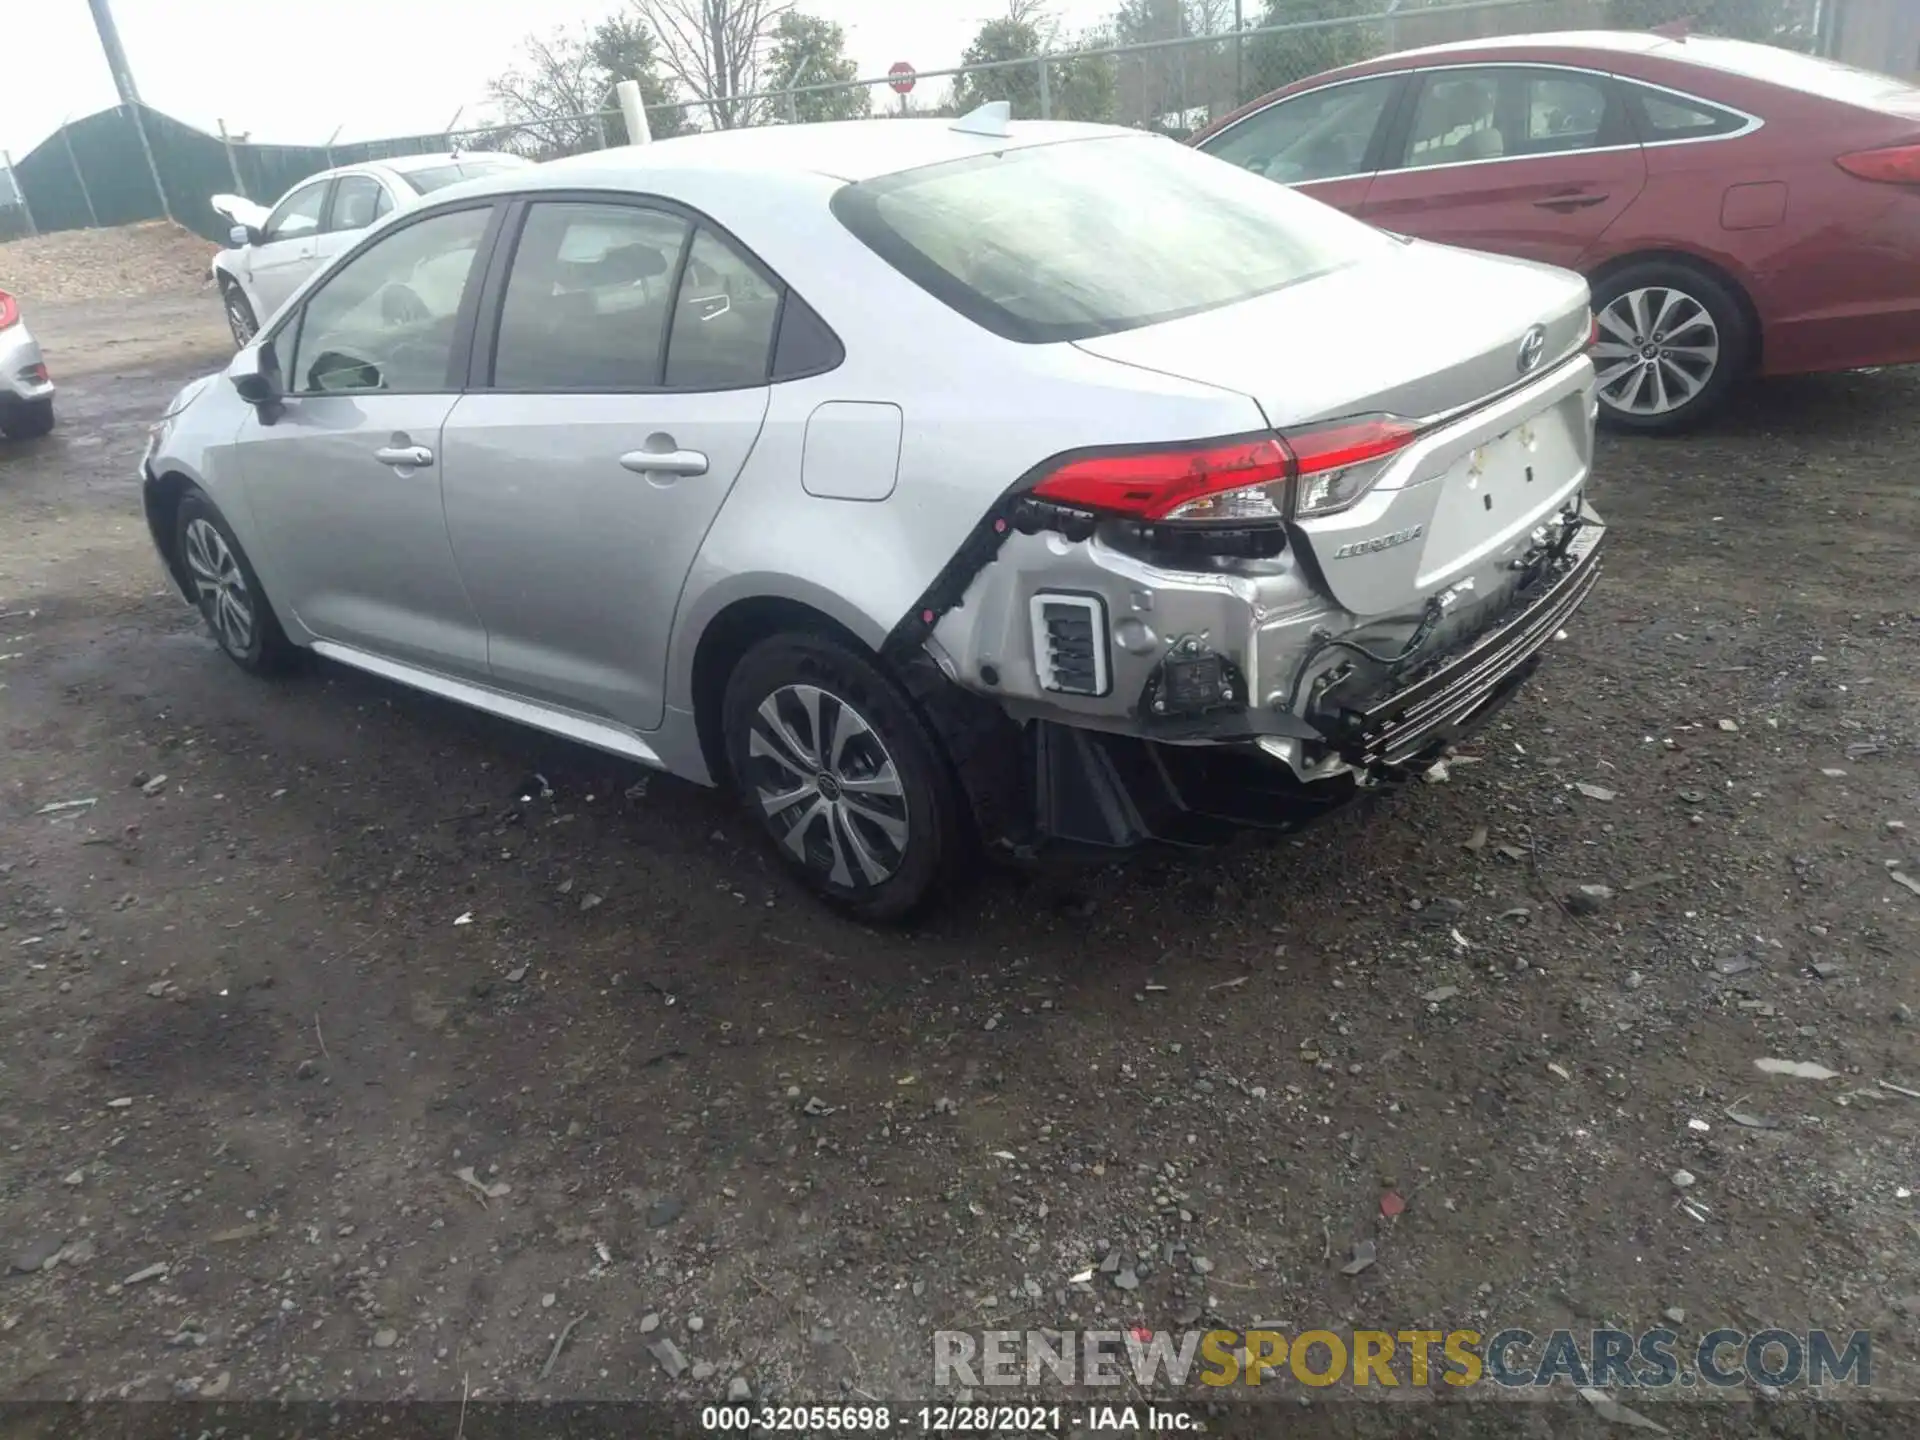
{"type": "Point", "coordinates": [103, 170]}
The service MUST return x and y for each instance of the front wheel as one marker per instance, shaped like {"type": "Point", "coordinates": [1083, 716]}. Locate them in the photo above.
{"type": "Point", "coordinates": [842, 774]}
{"type": "Point", "coordinates": [240, 317]}
{"type": "Point", "coordinates": [1673, 342]}
{"type": "Point", "coordinates": [226, 590]}
{"type": "Point", "coordinates": [27, 420]}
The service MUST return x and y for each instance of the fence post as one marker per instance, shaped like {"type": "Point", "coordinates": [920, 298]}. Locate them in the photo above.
{"type": "Point", "coordinates": [79, 177]}
{"type": "Point", "coordinates": [13, 180]}
{"type": "Point", "coordinates": [153, 166]}
{"type": "Point", "coordinates": [1239, 57]}
{"type": "Point", "coordinates": [1046, 90]}
{"type": "Point", "coordinates": [634, 111]}
{"type": "Point", "coordinates": [233, 162]}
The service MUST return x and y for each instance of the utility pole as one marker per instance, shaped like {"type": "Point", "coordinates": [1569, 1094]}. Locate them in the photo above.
{"type": "Point", "coordinates": [129, 96]}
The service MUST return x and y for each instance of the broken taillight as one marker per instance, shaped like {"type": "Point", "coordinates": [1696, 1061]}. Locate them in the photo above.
{"type": "Point", "coordinates": [9, 310]}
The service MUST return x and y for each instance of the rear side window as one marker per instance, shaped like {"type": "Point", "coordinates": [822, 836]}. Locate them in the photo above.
{"type": "Point", "coordinates": [1662, 115]}
{"type": "Point", "coordinates": [357, 202]}
{"type": "Point", "coordinates": [589, 298]}
{"type": "Point", "coordinates": [1074, 239]}
{"type": "Point", "coordinates": [723, 320]}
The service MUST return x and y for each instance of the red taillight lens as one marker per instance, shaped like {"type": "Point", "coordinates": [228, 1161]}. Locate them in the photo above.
{"type": "Point", "coordinates": [1349, 442]}
{"type": "Point", "coordinates": [1241, 481]}
{"type": "Point", "coordinates": [1896, 165]}
{"type": "Point", "coordinates": [1150, 485]}
{"type": "Point", "coordinates": [9, 310]}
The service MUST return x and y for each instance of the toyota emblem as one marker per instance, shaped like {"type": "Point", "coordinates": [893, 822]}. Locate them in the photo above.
{"type": "Point", "coordinates": [1532, 346]}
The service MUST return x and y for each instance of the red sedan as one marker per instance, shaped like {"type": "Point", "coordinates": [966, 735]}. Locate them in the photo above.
{"type": "Point", "coordinates": [1737, 208]}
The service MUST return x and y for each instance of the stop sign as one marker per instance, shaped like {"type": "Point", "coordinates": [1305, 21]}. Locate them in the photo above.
{"type": "Point", "coordinates": [902, 76]}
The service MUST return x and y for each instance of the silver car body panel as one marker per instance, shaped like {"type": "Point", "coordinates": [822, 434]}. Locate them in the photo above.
{"type": "Point", "coordinates": [528, 573]}
{"type": "Point", "coordinates": [21, 366]}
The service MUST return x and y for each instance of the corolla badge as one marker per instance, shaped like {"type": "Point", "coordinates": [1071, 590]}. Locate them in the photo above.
{"type": "Point", "coordinates": [1379, 543]}
{"type": "Point", "coordinates": [1532, 346]}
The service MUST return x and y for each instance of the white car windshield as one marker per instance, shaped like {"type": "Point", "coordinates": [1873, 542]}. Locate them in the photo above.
{"type": "Point", "coordinates": [1067, 241]}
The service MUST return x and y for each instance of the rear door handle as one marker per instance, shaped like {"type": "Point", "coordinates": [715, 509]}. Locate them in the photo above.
{"type": "Point", "coordinates": [404, 457]}
{"type": "Point", "coordinates": [665, 462]}
{"type": "Point", "coordinates": [1567, 204]}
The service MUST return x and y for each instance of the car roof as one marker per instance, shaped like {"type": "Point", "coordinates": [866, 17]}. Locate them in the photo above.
{"type": "Point", "coordinates": [1618, 42]}
{"type": "Point", "coordinates": [842, 150]}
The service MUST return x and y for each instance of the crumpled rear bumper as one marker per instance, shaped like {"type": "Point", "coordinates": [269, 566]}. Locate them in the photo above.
{"type": "Point", "coordinates": [1395, 728]}
{"type": "Point", "coordinates": [1100, 789]}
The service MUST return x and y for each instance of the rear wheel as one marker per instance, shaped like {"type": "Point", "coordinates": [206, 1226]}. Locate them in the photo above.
{"type": "Point", "coordinates": [240, 317]}
{"type": "Point", "coordinates": [27, 420]}
{"type": "Point", "coordinates": [226, 590]}
{"type": "Point", "coordinates": [1673, 342]}
{"type": "Point", "coordinates": [842, 774]}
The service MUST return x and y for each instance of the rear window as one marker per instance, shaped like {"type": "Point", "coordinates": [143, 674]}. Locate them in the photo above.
{"type": "Point", "coordinates": [1083, 238]}
{"type": "Point", "coordinates": [1828, 79]}
{"type": "Point", "coordinates": [436, 177]}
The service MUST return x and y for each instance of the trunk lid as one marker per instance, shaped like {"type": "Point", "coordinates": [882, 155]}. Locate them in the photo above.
{"type": "Point", "coordinates": [1483, 348]}
{"type": "Point", "coordinates": [1423, 330]}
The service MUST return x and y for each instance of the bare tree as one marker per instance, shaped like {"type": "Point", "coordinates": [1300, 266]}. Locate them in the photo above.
{"type": "Point", "coordinates": [714, 49]}
{"type": "Point", "coordinates": [551, 97]}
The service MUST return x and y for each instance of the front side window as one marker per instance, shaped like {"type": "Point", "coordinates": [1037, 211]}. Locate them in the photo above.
{"type": "Point", "coordinates": [723, 320]}
{"type": "Point", "coordinates": [356, 202]}
{"type": "Point", "coordinates": [385, 320]}
{"type": "Point", "coordinates": [1317, 136]}
{"type": "Point", "coordinates": [589, 298]}
{"type": "Point", "coordinates": [1073, 239]}
{"type": "Point", "coordinates": [298, 214]}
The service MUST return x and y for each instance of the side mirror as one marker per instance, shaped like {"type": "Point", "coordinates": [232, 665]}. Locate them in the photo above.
{"type": "Point", "coordinates": [255, 373]}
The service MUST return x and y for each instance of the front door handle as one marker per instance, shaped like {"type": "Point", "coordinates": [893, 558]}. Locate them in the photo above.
{"type": "Point", "coordinates": [404, 457]}
{"type": "Point", "coordinates": [664, 462]}
{"type": "Point", "coordinates": [1567, 204]}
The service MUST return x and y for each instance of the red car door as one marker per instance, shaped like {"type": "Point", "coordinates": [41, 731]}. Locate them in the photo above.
{"type": "Point", "coordinates": [1533, 161]}
{"type": "Point", "coordinates": [1325, 142]}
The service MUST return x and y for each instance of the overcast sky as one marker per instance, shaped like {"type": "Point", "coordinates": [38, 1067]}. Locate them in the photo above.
{"type": "Point", "coordinates": [293, 72]}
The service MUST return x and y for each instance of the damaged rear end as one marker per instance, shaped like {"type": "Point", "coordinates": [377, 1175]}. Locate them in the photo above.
{"type": "Point", "coordinates": [1249, 630]}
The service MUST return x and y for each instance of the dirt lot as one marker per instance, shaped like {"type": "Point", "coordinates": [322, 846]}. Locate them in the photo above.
{"type": "Point", "coordinates": [320, 947]}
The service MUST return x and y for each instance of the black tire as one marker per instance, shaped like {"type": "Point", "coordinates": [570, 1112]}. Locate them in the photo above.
{"type": "Point", "coordinates": [1659, 359]}
{"type": "Point", "coordinates": [240, 317]}
{"type": "Point", "coordinates": [27, 420]}
{"type": "Point", "coordinates": [841, 842]}
{"type": "Point", "coordinates": [260, 646]}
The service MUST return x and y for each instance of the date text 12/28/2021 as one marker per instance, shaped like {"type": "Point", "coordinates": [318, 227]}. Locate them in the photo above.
{"type": "Point", "coordinates": [943, 1419]}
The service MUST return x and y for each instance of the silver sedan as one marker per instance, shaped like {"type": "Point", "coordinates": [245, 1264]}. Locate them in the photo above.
{"type": "Point", "coordinates": [939, 487]}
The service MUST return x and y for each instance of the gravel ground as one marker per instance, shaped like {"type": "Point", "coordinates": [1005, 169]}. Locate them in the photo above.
{"type": "Point", "coordinates": [153, 258]}
{"type": "Point", "coordinates": [320, 949]}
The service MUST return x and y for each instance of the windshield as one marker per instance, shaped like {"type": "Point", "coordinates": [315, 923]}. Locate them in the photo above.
{"type": "Point", "coordinates": [1083, 238]}
{"type": "Point", "coordinates": [434, 177]}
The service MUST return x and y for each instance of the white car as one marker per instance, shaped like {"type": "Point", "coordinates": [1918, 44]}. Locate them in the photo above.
{"type": "Point", "coordinates": [274, 251]}
{"type": "Point", "coordinates": [26, 391]}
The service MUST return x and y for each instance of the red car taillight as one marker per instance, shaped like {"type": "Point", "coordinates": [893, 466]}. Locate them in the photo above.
{"type": "Point", "coordinates": [1246, 480]}
{"type": "Point", "coordinates": [1895, 165]}
{"type": "Point", "coordinates": [9, 310]}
